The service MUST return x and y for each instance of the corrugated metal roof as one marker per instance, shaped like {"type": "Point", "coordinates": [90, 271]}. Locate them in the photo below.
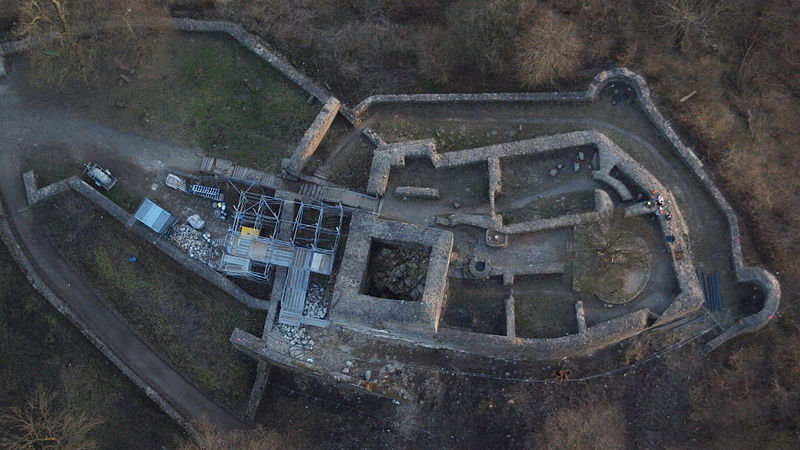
{"type": "Point", "coordinates": [154, 216]}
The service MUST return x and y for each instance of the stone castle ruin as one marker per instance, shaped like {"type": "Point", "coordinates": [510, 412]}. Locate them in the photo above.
{"type": "Point", "coordinates": [552, 245]}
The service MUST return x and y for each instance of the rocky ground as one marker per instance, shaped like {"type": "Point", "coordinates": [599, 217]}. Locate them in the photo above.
{"type": "Point", "coordinates": [300, 341]}
{"type": "Point", "coordinates": [197, 244]}
{"type": "Point", "coordinates": [398, 272]}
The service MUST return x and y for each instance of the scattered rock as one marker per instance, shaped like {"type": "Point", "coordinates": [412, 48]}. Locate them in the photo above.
{"type": "Point", "coordinates": [559, 166]}
{"type": "Point", "coordinates": [317, 301]}
{"type": "Point", "coordinates": [298, 338]}
{"type": "Point", "coordinates": [553, 172]}
{"type": "Point", "coordinates": [399, 272]}
{"type": "Point", "coordinates": [581, 156]}
{"type": "Point", "coordinates": [456, 205]}
{"type": "Point", "coordinates": [198, 245]}
{"type": "Point", "coordinates": [120, 104]}
{"type": "Point", "coordinates": [576, 167]}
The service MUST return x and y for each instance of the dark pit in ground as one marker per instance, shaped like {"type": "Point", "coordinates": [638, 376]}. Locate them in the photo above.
{"type": "Point", "coordinates": [475, 305]}
{"type": "Point", "coordinates": [396, 271]}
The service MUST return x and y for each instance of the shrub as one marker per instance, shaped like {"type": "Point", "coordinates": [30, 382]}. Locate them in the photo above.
{"type": "Point", "coordinates": [76, 51]}
{"type": "Point", "coordinates": [484, 32]}
{"type": "Point", "coordinates": [547, 50]}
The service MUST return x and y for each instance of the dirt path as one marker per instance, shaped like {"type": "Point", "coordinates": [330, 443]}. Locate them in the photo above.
{"type": "Point", "coordinates": [37, 124]}
{"type": "Point", "coordinates": [23, 126]}
{"type": "Point", "coordinates": [573, 186]}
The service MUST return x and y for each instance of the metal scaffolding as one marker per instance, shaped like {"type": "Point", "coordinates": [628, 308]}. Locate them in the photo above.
{"type": "Point", "coordinates": [263, 235]}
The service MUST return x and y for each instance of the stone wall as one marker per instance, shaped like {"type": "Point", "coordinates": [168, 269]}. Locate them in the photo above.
{"type": "Point", "coordinates": [362, 108]}
{"type": "Point", "coordinates": [610, 156]}
{"type": "Point", "coordinates": [760, 277]}
{"type": "Point", "coordinates": [350, 306]}
{"type": "Point", "coordinates": [416, 192]}
{"type": "Point", "coordinates": [313, 136]}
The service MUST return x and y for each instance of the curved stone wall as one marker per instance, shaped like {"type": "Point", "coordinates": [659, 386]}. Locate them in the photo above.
{"type": "Point", "coordinates": [760, 277]}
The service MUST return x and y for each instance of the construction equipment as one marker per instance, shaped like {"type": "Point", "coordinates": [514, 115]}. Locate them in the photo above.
{"type": "Point", "coordinates": [206, 192]}
{"type": "Point", "coordinates": [102, 177]}
{"type": "Point", "coordinates": [175, 182]}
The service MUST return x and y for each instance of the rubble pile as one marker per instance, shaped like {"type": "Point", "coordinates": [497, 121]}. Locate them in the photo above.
{"type": "Point", "coordinates": [317, 307]}
{"type": "Point", "coordinates": [298, 338]}
{"type": "Point", "coordinates": [316, 302]}
{"type": "Point", "coordinates": [197, 244]}
{"type": "Point", "coordinates": [398, 273]}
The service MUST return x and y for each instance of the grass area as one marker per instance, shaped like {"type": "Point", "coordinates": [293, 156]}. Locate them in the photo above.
{"type": "Point", "coordinates": [469, 184]}
{"type": "Point", "coordinates": [451, 136]}
{"type": "Point", "coordinates": [202, 90]}
{"type": "Point", "coordinates": [183, 317]}
{"type": "Point", "coordinates": [546, 208]}
{"type": "Point", "coordinates": [125, 198]}
{"type": "Point", "coordinates": [340, 128]}
{"type": "Point", "coordinates": [41, 349]}
{"type": "Point", "coordinates": [48, 174]}
{"type": "Point", "coordinates": [349, 154]}
{"type": "Point", "coordinates": [476, 306]}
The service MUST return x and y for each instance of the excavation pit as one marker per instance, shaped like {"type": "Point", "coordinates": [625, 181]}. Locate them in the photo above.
{"type": "Point", "coordinates": [396, 271]}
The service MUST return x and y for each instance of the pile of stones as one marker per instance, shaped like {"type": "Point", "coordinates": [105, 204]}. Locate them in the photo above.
{"type": "Point", "coordinates": [299, 340]}
{"type": "Point", "coordinates": [399, 273]}
{"type": "Point", "coordinates": [316, 302]}
{"type": "Point", "coordinates": [197, 244]}
{"type": "Point", "coordinates": [576, 166]}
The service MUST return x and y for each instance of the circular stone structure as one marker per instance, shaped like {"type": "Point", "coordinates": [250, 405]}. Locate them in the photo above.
{"type": "Point", "coordinates": [634, 279]}
{"type": "Point", "coordinates": [612, 260]}
{"type": "Point", "coordinates": [479, 267]}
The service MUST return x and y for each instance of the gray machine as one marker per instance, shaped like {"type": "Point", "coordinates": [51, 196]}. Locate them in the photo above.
{"type": "Point", "coordinates": [102, 177]}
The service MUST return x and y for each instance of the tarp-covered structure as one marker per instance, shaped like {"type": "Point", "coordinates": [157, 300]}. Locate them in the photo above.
{"type": "Point", "coordinates": [154, 216]}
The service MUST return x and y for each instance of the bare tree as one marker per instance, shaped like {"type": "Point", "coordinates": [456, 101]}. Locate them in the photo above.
{"type": "Point", "coordinates": [40, 423]}
{"type": "Point", "coordinates": [548, 49]}
{"type": "Point", "coordinates": [692, 22]}
{"type": "Point", "coordinates": [65, 56]}
{"type": "Point", "coordinates": [257, 438]}
{"type": "Point", "coordinates": [608, 251]}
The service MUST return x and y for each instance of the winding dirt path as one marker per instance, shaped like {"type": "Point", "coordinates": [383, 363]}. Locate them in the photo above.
{"type": "Point", "coordinates": [22, 126]}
